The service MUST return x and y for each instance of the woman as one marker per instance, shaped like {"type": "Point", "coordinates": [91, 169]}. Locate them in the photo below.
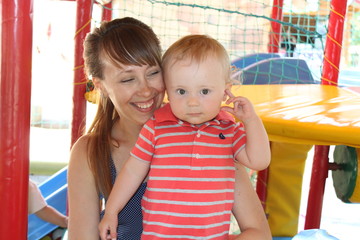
{"type": "Point", "coordinates": [122, 57]}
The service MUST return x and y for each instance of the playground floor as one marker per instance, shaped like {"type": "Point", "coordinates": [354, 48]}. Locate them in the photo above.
{"type": "Point", "coordinates": [339, 219]}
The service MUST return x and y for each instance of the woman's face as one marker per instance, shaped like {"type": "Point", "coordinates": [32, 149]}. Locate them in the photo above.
{"type": "Point", "coordinates": [136, 91]}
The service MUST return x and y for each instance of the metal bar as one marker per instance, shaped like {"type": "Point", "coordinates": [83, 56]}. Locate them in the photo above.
{"type": "Point", "coordinates": [83, 23]}
{"type": "Point", "coordinates": [261, 186]}
{"type": "Point", "coordinates": [330, 76]}
{"type": "Point", "coordinates": [317, 186]}
{"type": "Point", "coordinates": [107, 12]}
{"type": "Point", "coordinates": [275, 31]}
{"type": "Point", "coordinates": [15, 98]}
{"type": "Point", "coordinates": [332, 55]}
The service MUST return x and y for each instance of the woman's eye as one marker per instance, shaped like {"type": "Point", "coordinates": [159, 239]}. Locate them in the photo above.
{"type": "Point", "coordinates": [153, 73]}
{"type": "Point", "coordinates": [205, 91]}
{"type": "Point", "coordinates": [127, 80]}
{"type": "Point", "coordinates": [180, 91]}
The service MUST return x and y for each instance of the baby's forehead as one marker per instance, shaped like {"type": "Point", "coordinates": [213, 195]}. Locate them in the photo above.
{"type": "Point", "coordinates": [176, 61]}
{"type": "Point", "coordinates": [179, 65]}
{"type": "Point", "coordinates": [189, 61]}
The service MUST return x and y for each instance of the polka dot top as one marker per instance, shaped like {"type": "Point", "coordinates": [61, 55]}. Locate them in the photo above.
{"type": "Point", "coordinates": [130, 218]}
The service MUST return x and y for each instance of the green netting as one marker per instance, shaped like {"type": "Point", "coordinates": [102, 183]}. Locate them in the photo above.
{"type": "Point", "coordinates": [242, 26]}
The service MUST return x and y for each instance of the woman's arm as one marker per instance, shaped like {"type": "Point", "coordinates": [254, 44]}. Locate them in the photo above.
{"type": "Point", "coordinates": [83, 199]}
{"type": "Point", "coordinates": [248, 211]}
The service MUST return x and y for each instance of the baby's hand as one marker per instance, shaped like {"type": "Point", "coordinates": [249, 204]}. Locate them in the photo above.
{"type": "Point", "coordinates": [108, 227]}
{"type": "Point", "coordinates": [243, 108]}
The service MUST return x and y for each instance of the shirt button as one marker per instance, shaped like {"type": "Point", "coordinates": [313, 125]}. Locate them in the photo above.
{"type": "Point", "coordinates": [198, 134]}
{"type": "Point", "coordinates": [197, 156]}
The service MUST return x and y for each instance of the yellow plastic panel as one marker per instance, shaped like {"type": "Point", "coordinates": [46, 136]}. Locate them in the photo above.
{"type": "Point", "coordinates": [284, 187]}
{"type": "Point", "coordinates": [306, 114]}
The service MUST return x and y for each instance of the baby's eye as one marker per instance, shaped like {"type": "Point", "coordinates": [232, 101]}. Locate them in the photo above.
{"type": "Point", "coordinates": [205, 91]}
{"type": "Point", "coordinates": [180, 91]}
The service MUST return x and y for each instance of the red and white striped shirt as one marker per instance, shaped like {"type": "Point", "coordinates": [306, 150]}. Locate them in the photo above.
{"type": "Point", "coordinates": [190, 190]}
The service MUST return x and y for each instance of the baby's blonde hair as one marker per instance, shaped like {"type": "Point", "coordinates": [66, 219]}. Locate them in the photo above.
{"type": "Point", "coordinates": [197, 48]}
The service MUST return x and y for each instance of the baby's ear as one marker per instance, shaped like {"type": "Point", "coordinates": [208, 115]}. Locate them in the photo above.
{"type": "Point", "coordinates": [225, 96]}
{"type": "Point", "coordinates": [166, 97]}
{"type": "Point", "coordinates": [227, 87]}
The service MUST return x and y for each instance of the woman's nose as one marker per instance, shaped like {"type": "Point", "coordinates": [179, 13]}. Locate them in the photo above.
{"type": "Point", "coordinates": [145, 89]}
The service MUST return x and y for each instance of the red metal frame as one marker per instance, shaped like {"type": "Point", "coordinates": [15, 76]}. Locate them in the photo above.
{"type": "Point", "coordinates": [107, 12]}
{"type": "Point", "coordinates": [261, 186]}
{"type": "Point", "coordinates": [15, 97]}
{"type": "Point", "coordinates": [332, 54]}
{"type": "Point", "coordinates": [317, 186]}
{"type": "Point", "coordinates": [273, 47]}
{"type": "Point", "coordinates": [275, 31]}
{"type": "Point", "coordinates": [330, 75]}
{"type": "Point", "coordinates": [83, 24]}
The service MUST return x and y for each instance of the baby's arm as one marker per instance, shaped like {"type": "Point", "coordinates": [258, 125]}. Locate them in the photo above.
{"type": "Point", "coordinates": [127, 182]}
{"type": "Point", "coordinates": [256, 154]}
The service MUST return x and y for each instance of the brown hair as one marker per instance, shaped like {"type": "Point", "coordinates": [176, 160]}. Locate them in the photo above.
{"type": "Point", "coordinates": [197, 48]}
{"type": "Point", "coordinates": [127, 41]}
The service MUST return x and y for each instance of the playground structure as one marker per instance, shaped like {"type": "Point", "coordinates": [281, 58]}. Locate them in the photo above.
{"type": "Point", "coordinates": [15, 96]}
{"type": "Point", "coordinates": [54, 190]}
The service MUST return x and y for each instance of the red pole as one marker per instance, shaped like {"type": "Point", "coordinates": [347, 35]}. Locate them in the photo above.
{"type": "Point", "coordinates": [273, 47]}
{"type": "Point", "coordinates": [275, 31]}
{"type": "Point", "coordinates": [330, 76]}
{"type": "Point", "coordinates": [317, 186]}
{"type": "Point", "coordinates": [333, 44]}
{"type": "Point", "coordinates": [15, 88]}
{"type": "Point", "coordinates": [261, 186]}
{"type": "Point", "coordinates": [107, 12]}
{"type": "Point", "coordinates": [83, 23]}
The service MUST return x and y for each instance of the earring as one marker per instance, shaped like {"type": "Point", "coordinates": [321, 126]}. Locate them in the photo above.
{"type": "Point", "coordinates": [91, 92]}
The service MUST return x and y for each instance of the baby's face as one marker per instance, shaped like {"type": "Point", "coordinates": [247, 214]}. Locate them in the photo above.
{"type": "Point", "coordinates": [195, 90]}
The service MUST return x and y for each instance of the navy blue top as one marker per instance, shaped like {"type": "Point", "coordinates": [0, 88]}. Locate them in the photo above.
{"type": "Point", "coordinates": [130, 218]}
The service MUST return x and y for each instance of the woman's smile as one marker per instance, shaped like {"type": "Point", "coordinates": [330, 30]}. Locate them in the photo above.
{"type": "Point", "coordinates": [145, 106]}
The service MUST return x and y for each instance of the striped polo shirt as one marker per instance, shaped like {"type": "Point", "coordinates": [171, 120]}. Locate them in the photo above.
{"type": "Point", "coordinates": [190, 190]}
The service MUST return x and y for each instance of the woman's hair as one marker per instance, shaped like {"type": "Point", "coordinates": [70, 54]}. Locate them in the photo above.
{"type": "Point", "coordinates": [125, 41]}
{"type": "Point", "coordinates": [197, 48]}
